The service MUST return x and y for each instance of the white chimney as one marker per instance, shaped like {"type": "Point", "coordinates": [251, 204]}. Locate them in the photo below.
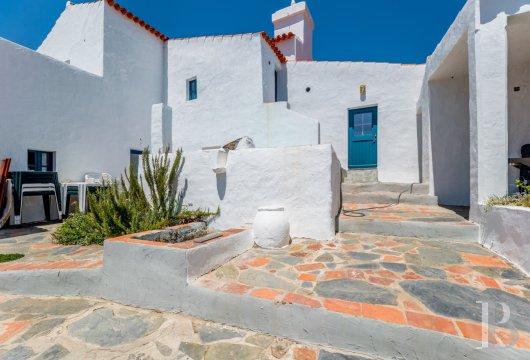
{"type": "Point", "coordinates": [295, 19]}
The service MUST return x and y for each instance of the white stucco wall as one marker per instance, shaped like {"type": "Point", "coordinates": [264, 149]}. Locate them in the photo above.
{"type": "Point", "coordinates": [77, 37]}
{"type": "Point", "coordinates": [269, 65]}
{"type": "Point", "coordinates": [48, 105]}
{"type": "Point", "coordinates": [449, 109]}
{"type": "Point", "coordinates": [504, 229]}
{"type": "Point", "coordinates": [518, 116]}
{"type": "Point", "coordinates": [456, 33]}
{"type": "Point", "coordinates": [393, 88]}
{"type": "Point", "coordinates": [305, 180]}
{"type": "Point", "coordinates": [235, 90]}
{"type": "Point", "coordinates": [90, 122]}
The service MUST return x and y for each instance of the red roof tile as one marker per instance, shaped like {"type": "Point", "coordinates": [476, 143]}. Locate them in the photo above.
{"type": "Point", "coordinates": [283, 37]}
{"type": "Point", "coordinates": [274, 48]}
{"type": "Point", "coordinates": [137, 20]}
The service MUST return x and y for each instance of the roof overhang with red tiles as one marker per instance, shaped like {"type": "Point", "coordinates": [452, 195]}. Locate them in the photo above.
{"type": "Point", "coordinates": [283, 37]}
{"type": "Point", "coordinates": [129, 15]}
{"type": "Point", "coordinates": [274, 48]}
{"type": "Point", "coordinates": [137, 20]}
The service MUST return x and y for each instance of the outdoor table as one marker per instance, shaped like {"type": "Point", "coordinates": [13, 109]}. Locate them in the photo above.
{"type": "Point", "coordinates": [19, 178]}
{"type": "Point", "coordinates": [81, 193]}
{"type": "Point", "coordinates": [517, 162]}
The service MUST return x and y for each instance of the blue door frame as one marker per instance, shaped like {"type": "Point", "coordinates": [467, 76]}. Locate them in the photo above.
{"type": "Point", "coordinates": [362, 138]}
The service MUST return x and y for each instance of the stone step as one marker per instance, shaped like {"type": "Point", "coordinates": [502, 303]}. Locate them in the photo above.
{"type": "Point", "coordinates": [388, 198]}
{"type": "Point", "coordinates": [408, 220]}
{"type": "Point", "coordinates": [418, 189]}
{"type": "Point", "coordinates": [419, 229]}
{"type": "Point", "coordinates": [360, 176]}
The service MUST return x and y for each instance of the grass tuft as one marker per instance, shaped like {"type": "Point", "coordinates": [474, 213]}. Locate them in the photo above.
{"type": "Point", "coordinates": [10, 257]}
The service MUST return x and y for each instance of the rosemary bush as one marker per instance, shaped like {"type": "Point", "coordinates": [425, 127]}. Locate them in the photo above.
{"type": "Point", "coordinates": [124, 207]}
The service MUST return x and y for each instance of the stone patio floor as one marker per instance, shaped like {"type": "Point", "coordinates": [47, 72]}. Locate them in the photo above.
{"type": "Point", "coordinates": [72, 328]}
{"type": "Point", "coordinates": [433, 285]}
{"type": "Point", "coordinates": [36, 243]}
{"type": "Point", "coordinates": [404, 212]}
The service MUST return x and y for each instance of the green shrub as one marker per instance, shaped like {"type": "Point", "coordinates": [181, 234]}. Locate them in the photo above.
{"type": "Point", "coordinates": [124, 207]}
{"type": "Point", "coordinates": [10, 257]}
{"type": "Point", "coordinates": [79, 229]}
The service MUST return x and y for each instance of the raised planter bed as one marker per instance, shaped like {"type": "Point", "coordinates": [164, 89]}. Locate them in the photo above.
{"type": "Point", "coordinates": [178, 262]}
{"type": "Point", "coordinates": [506, 231]}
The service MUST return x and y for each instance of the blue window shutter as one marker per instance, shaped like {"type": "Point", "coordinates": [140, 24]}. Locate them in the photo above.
{"type": "Point", "coordinates": [192, 89]}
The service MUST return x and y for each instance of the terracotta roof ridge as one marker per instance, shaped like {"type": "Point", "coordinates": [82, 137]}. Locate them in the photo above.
{"type": "Point", "coordinates": [136, 20]}
{"type": "Point", "coordinates": [283, 37]}
{"type": "Point", "coordinates": [274, 48]}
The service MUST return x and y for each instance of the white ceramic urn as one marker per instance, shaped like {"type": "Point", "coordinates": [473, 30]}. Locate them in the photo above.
{"type": "Point", "coordinates": [271, 227]}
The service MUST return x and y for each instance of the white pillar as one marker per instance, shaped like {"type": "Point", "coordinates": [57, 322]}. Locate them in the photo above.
{"type": "Point", "coordinates": [488, 110]}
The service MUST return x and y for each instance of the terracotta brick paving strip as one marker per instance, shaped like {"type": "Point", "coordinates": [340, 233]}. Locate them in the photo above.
{"type": "Point", "coordinates": [304, 354]}
{"type": "Point", "coordinates": [10, 329]}
{"type": "Point", "coordinates": [431, 322]}
{"type": "Point", "coordinates": [267, 294]}
{"type": "Point", "coordinates": [383, 313]}
{"type": "Point", "coordinates": [490, 261]}
{"type": "Point", "coordinates": [345, 307]}
{"type": "Point", "coordinates": [292, 298]}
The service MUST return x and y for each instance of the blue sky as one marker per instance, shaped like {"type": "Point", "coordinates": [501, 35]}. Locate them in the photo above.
{"type": "Point", "coordinates": [405, 31]}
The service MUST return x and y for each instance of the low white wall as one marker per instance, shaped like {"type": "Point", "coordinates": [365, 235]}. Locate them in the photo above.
{"type": "Point", "coordinates": [393, 88]}
{"type": "Point", "coordinates": [504, 230]}
{"type": "Point", "coordinates": [305, 180]}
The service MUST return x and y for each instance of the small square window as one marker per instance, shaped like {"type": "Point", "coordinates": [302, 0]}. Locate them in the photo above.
{"type": "Point", "coordinates": [41, 160]}
{"type": "Point", "coordinates": [192, 89]}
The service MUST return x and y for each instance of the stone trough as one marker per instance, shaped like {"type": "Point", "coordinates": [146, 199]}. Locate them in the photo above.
{"type": "Point", "coordinates": [176, 234]}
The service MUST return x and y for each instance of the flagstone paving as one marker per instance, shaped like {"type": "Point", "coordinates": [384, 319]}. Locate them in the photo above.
{"type": "Point", "coordinates": [403, 212]}
{"type": "Point", "coordinates": [432, 285]}
{"type": "Point", "coordinates": [41, 253]}
{"type": "Point", "coordinates": [71, 328]}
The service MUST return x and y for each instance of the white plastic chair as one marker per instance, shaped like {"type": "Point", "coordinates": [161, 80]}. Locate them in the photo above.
{"type": "Point", "coordinates": [97, 178]}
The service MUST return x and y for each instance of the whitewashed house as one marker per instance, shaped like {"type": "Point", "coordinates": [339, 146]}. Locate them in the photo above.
{"type": "Point", "coordinates": [90, 92]}
{"type": "Point", "coordinates": [104, 84]}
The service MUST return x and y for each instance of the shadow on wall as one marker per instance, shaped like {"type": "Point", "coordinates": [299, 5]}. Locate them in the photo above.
{"type": "Point", "coordinates": [489, 9]}
{"type": "Point", "coordinates": [221, 186]}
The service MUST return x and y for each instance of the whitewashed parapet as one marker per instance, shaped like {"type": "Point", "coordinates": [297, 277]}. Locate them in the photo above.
{"type": "Point", "coordinates": [505, 230]}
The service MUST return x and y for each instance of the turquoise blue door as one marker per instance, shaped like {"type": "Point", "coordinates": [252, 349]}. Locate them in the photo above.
{"type": "Point", "coordinates": [362, 144]}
